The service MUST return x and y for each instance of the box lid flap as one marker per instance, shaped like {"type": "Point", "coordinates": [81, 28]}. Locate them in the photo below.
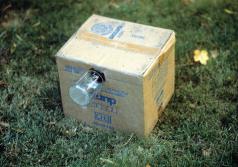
{"type": "Point", "coordinates": [117, 45]}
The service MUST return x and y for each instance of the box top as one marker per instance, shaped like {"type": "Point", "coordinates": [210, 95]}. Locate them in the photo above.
{"type": "Point", "coordinates": [117, 45]}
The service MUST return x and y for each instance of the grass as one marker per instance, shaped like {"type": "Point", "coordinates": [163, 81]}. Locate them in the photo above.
{"type": "Point", "coordinates": [199, 126]}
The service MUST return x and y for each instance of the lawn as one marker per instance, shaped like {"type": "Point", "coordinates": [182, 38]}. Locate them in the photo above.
{"type": "Point", "coordinates": [199, 127]}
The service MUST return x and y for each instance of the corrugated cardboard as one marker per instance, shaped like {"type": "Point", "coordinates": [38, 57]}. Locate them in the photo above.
{"type": "Point", "coordinates": [138, 64]}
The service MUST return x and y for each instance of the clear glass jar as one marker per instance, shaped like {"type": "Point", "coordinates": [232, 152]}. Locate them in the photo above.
{"type": "Point", "coordinates": [86, 87]}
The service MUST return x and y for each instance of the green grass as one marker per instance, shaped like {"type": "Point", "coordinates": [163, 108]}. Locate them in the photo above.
{"type": "Point", "coordinates": [198, 128]}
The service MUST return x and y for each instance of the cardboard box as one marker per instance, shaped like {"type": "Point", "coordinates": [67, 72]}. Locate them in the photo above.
{"type": "Point", "coordinates": [138, 64]}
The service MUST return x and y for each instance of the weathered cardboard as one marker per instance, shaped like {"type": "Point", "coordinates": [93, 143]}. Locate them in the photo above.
{"type": "Point", "coordinates": [138, 64]}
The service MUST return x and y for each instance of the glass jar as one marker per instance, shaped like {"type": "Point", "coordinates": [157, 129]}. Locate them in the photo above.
{"type": "Point", "coordinates": [86, 87]}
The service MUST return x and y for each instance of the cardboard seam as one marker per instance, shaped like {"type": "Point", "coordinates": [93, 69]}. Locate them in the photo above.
{"type": "Point", "coordinates": [158, 57]}
{"type": "Point", "coordinates": [95, 65]}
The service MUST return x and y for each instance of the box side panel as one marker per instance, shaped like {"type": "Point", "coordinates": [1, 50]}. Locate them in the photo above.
{"type": "Point", "coordinates": [119, 105]}
{"type": "Point", "coordinates": [150, 111]}
{"type": "Point", "coordinates": [170, 79]}
{"type": "Point", "coordinates": [158, 87]}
